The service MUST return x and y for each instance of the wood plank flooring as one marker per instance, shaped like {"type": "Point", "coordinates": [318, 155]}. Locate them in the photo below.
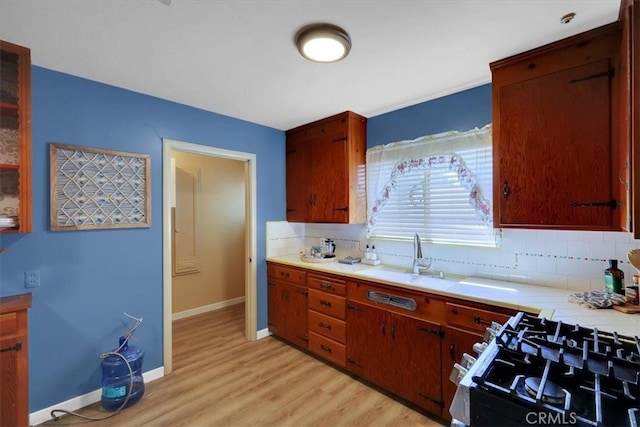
{"type": "Point", "coordinates": [220, 379]}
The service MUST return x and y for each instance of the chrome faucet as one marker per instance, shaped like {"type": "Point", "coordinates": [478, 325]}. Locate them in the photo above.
{"type": "Point", "coordinates": [420, 264]}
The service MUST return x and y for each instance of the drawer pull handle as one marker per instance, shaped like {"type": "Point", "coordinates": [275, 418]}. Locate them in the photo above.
{"type": "Point", "coordinates": [16, 347]}
{"type": "Point", "coordinates": [481, 321]}
{"type": "Point", "coordinates": [285, 274]}
{"type": "Point", "coordinates": [431, 331]}
{"type": "Point", "coordinates": [324, 325]}
{"type": "Point", "coordinates": [302, 292]}
{"type": "Point", "coordinates": [325, 348]}
{"type": "Point", "coordinates": [328, 286]}
{"type": "Point", "coordinates": [327, 303]}
{"type": "Point", "coordinates": [353, 307]}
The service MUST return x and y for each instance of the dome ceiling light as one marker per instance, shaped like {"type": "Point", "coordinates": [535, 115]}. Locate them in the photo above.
{"type": "Point", "coordinates": [323, 43]}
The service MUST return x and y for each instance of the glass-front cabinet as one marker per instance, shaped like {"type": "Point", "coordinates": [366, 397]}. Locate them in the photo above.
{"type": "Point", "coordinates": [15, 138]}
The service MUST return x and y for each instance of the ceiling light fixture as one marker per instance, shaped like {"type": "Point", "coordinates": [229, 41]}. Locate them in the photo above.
{"type": "Point", "coordinates": [323, 43]}
{"type": "Point", "coordinates": [567, 18]}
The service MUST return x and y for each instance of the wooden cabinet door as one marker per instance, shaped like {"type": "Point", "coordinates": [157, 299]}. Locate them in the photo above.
{"type": "Point", "coordinates": [14, 405]}
{"type": "Point", "coordinates": [293, 323]}
{"type": "Point", "coordinates": [298, 175]}
{"type": "Point", "coordinates": [274, 306]}
{"type": "Point", "coordinates": [329, 179]}
{"type": "Point", "coordinates": [287, 312]}
{"type": "Point", "coordinates": [556, 149]}
{"type": "Point", "coordinates": [416, 357]}
{"type": "Point", "coordinates": [456, 343]}
{"type": "Point", "coordinates": [367, 344]}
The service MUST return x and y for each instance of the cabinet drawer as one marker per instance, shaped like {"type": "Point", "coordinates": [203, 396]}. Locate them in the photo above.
{"type": "Point", "coordinates": [328, 349]}
{"type": "Point", "coordinates": [292, 275]}
{"type": "Point", "coordinates": [327, 284]}
{"type": "Point", "coordinates": [331, 305]}
{"type": "Point", "coordinates": [471, 318]}
{"type": "Point", "coordinates": [8, 323]}
{"type": "Point", "coordinates": [419, 305]}
{"type": "Point", "coordinates": [328, 326]}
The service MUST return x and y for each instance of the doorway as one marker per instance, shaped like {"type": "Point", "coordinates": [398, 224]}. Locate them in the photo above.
{"type": "Point", "coordinates": [249, 161]}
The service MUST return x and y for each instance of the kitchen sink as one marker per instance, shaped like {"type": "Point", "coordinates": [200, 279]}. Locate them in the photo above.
{"type": "Point", "coordinates": [407, 277]}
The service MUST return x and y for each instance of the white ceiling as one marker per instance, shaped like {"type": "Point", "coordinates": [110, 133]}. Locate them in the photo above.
{"type": "Point", "coordinates": [238, 58]}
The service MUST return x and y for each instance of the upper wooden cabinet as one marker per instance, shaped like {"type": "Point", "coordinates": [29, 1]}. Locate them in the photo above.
{"type": "Point", "coordinates": [630, 19]}
{"type": "Point", "coordinates": [561, 154]}
{"type": "Point", "coordinates": [15, 137]}
{"type": "Point", "coordinates": [326, 170]}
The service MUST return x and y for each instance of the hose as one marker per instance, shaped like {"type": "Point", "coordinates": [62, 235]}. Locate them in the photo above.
{"type": "Point", "coordinates": [115, 352]}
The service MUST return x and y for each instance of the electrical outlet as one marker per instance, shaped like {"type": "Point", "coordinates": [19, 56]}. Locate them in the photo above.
{"type": "Point", "coordinates": [32, 279]}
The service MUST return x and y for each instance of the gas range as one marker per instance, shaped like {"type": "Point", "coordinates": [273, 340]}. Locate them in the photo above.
{"type": "Point", "coordinates": [542, 372]}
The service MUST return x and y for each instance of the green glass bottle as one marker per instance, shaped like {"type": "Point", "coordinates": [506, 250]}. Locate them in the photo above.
{"type": "Point", "coordinates": [614, 278]}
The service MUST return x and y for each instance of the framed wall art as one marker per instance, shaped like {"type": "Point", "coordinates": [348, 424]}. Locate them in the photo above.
{"type": "Point", "coordinates": [93, 188]}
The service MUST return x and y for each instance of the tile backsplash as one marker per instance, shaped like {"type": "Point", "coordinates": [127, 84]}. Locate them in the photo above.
{"type": "Point", "coordinates": [573, 260]}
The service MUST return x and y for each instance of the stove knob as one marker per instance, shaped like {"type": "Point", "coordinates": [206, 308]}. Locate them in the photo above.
{"type": "Point", "coordinates": [490, 334]}
{"type": "Point", "coordinates": [467, 360]}
{"type": "Point", "coordinates": [479, 347]}
{"type": "Point", "coordinates": [457, 373]}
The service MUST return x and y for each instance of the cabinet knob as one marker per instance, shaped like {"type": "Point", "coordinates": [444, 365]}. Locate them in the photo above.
{"type": "Point", "coordinates": [506, 191]}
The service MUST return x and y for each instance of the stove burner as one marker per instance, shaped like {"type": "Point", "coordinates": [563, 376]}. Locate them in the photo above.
{"type": "Point", "coordinates": [552, 392]}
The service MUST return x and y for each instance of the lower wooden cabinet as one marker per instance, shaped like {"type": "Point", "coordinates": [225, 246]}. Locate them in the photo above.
{"type": "Point", "coordinates": [287, 300]}
{"type": "Point", "coordinates": [399, 353]}
{"type": "Point", "coordinates": [327, 315]}
{"type": "Point", "coordinates": [456, 342]}
{"type": "Point", "coordinates": [465, 326]}
{"type": "Point", "coordinates": [14, 359]}
{"type": "Point", "coordinates": [404, 341]}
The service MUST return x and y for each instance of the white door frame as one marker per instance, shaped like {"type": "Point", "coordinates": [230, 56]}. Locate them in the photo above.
{"type": "Point", "coordinates": [249, 159]}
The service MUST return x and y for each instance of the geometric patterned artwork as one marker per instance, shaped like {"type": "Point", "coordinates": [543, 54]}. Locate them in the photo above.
{"type": "Point", "coordinates": [93, 188]}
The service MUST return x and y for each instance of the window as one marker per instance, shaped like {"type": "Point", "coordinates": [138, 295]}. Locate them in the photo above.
{"type": "Point", "coordinates": [439, 186]}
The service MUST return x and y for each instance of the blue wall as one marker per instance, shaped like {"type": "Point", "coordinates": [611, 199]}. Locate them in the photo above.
{"type": "Point", "coordinates": [89, 278]}
{"type": "Point", "coordinates": [461, 111]}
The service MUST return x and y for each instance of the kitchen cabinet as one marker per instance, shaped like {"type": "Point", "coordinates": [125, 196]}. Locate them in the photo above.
{"type": "Point", "coordinates": [561, 159]}
{"type": "Point", "coordinates": [327, 318]}
{"type": "Point", "coordinates": [398, 352]}
{"type": "Point", "coordinates": [14, 360]}
{"type": "Point", "coordinates": [15, 137]}
{"type": "Point", "coordinates": [404, 341]}
{"type": "Point", "coordinates": [287, 297]}
{"type": "Point", "coordinates": [630, 48]}
{"type": "Point", "coordinates": [325, 173]}
{"type": "Point", "coordinates": [465, 326]}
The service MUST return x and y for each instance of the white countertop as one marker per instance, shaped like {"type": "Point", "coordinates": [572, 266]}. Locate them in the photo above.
{"type": "Point", "coordinates": [548, 302]}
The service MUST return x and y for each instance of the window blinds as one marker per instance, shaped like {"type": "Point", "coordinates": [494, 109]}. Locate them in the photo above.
{"type": "Point", "coordinates": [439, 186]}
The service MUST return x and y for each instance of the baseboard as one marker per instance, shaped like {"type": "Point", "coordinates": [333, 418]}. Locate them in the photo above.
{"type": "Point", "coordinates": [263, 334]}
{"type": "Point", "coordinates": [85, 400]}
{"type": "Point", "coordinates": [207, 308]}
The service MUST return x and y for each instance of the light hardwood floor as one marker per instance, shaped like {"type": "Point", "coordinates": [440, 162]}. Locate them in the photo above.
{"type": "Point", "coordinates": [220, 379]}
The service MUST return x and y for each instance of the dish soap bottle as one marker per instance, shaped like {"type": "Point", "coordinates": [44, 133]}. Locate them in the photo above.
{"type": "Point", "coordinates": [614, 278]}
